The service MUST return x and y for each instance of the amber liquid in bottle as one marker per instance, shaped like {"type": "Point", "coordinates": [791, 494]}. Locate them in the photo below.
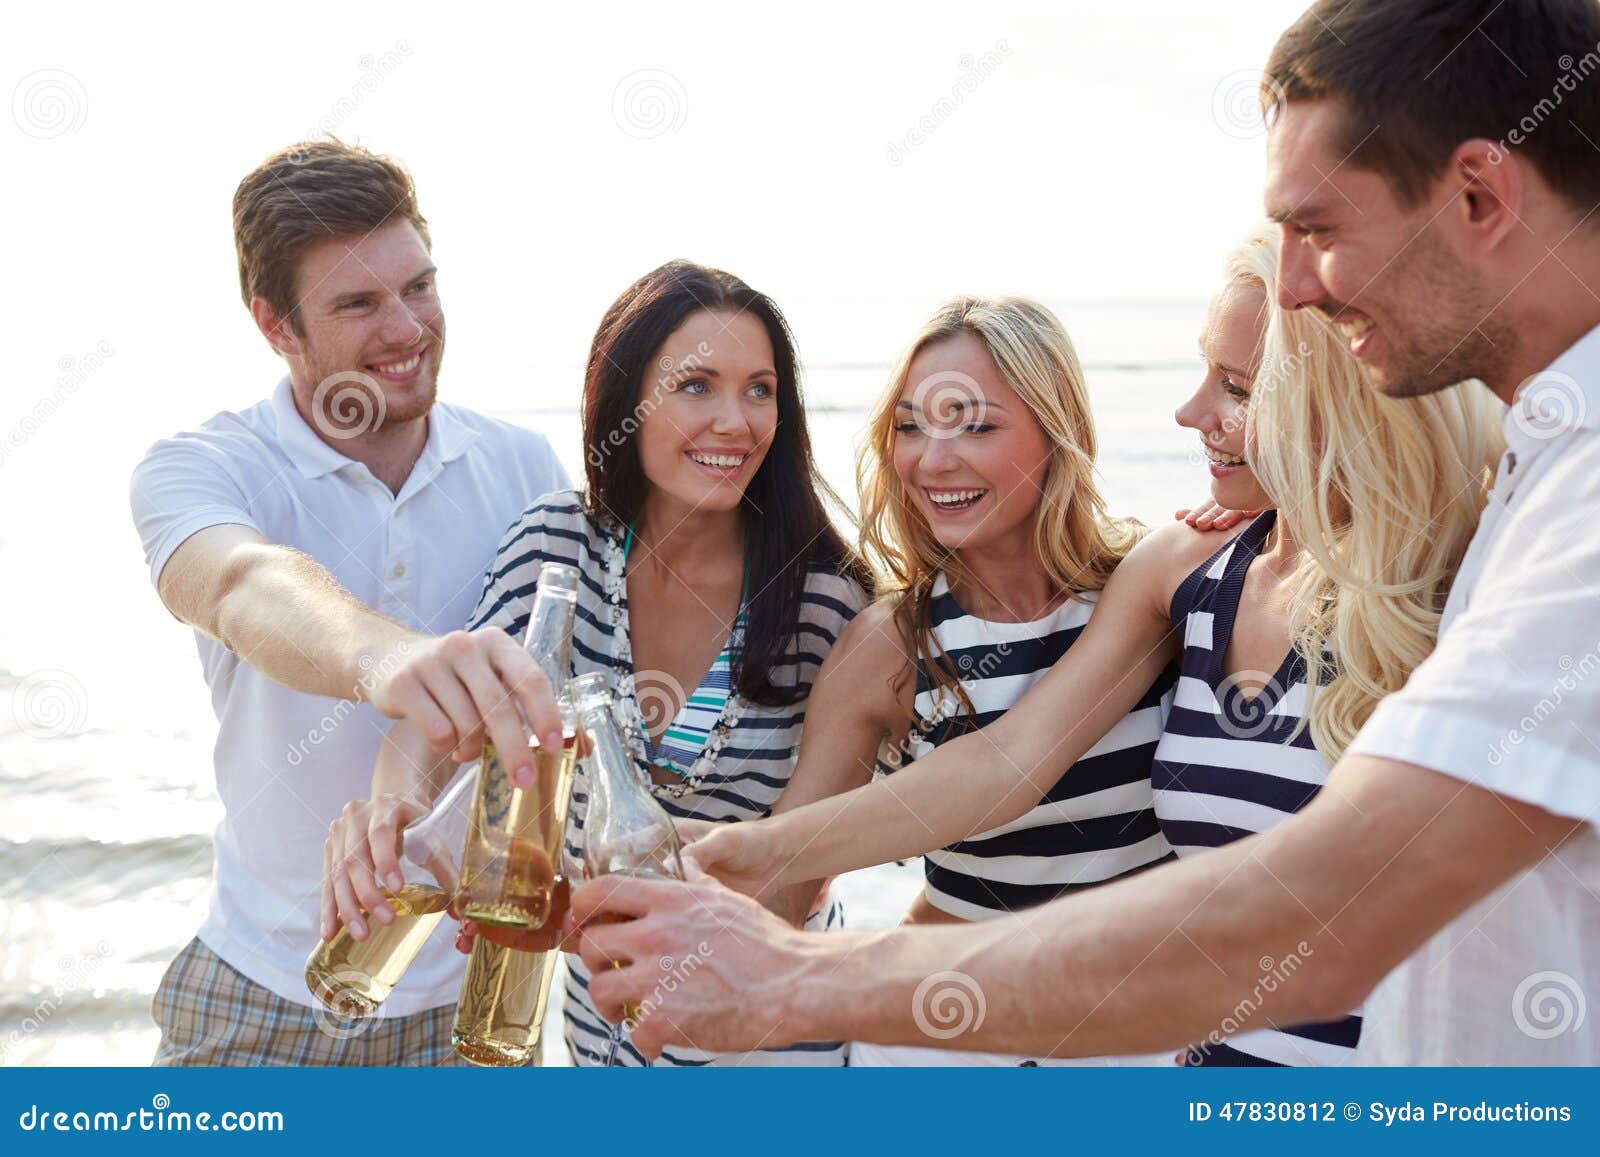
{"type": "Point", "coordinates": [514, 847]}
{"type": "Point", "coordinates": [352, 977]}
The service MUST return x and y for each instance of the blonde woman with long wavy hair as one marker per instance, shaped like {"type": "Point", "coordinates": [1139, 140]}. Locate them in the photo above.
{"type": "Point", "coordinates": [1287, 636]}
{"type": "Point", "coordinates": [981, 511]}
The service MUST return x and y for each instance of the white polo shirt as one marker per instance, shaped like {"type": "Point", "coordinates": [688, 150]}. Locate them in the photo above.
{"type": "Point", "coordinates": [287, 762]}
{"type": "Point", "coordinates": [1510, 701]}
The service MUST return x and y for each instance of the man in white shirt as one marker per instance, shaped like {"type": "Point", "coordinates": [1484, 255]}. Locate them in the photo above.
{"type": "Point", "coordinates": [1440, 198]}
{"type": "Point", "coordinates": [326, 544]}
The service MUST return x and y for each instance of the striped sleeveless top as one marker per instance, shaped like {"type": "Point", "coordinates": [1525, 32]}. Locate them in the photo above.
{"type": "Point", "coordinates": [738, 773]}
{"type": "Point", "coordinates": [1230, 765]}
{"type": "Point", "coordinates": [1095, 825]}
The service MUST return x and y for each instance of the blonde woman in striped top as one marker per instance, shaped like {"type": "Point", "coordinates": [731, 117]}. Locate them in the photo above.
{"type": "Point", "coordinates": [980, 508]}
{"type": "Point", "coordinates": [1373, 502]}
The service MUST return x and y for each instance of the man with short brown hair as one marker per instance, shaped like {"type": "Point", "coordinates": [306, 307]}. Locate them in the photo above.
{"type": "Point", "coordinates": [326, 545]}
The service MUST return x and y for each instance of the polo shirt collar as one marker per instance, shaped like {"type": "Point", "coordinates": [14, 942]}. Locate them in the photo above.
{"type": "Point", "coordinates": [1558, 400]}
{"type": "Point", "coordinates": [448, 437]}
{"type": "Point", "coordinates": [310, 454]}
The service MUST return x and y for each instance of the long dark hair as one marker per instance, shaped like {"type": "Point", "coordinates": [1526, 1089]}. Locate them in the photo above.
{"type": "Point", "coordinates": [786, 524]}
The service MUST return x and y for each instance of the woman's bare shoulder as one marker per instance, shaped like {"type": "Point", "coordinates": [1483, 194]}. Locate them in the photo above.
{"type": "Point", "coordinates": [1168, 555]}
{"type": "Point", "coordinates": [874, 637]}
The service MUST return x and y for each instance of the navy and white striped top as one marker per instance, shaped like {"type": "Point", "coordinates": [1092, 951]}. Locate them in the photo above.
{"type": "Point", "coordinates": [1231, 764]}
{"type": "Point", "coordinates": [743, 770]}
{"type": "Point", "coordinates": [1095, 825]}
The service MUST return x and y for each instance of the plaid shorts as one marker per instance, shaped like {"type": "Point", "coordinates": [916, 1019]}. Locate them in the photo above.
{"type": "Point", "coordinates": [211, 1014]}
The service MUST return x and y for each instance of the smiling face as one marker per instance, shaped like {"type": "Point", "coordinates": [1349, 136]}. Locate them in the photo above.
{"type": "Point", "coordinates": [1230, 343]}
{"type": "Point", "coordinates": [1388, 277]}
{"type": "Point", "coordinates": [709, 406]}
{"type": "Point", "coordinates": [369, 310]}
{"type": "Point", "coordinates": [968, 451]}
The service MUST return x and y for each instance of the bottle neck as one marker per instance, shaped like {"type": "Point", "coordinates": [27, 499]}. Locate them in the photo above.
{"type": "Point", "coordinates": [626, 830]}
{"type": "Point", "coordinates": [611, 774]}
{"type": "Point", "coordinates": [549, 640]}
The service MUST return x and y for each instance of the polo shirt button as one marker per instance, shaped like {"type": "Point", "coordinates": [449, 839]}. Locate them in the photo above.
{"type": "Point", "coordinates": [399, 570]}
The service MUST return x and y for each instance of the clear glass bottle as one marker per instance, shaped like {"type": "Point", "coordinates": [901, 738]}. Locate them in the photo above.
{"type": "Point", "coordinates": [625, 830]}
{"type": "Point", "coordinates": [510, 870]}
{"type": "Point", "coordinates": [353, 977]}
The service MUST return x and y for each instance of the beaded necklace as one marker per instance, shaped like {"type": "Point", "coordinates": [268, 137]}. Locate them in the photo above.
{"type": "Point", "coordinates": [634, 728]}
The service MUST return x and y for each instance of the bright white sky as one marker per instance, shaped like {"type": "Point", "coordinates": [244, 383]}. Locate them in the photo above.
{"type": "Point", "coordinates": [561, 151]}
{"type": "Point", "coordinates": [1102, 159]}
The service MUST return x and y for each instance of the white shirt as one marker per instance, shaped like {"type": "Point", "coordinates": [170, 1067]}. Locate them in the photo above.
{"type": "Point", "coordinates": [1510, 701]}
{"type": "Point", "coordinates": [287, 762]}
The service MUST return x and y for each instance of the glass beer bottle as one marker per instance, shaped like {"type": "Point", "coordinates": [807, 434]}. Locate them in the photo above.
{"type": "Point", "coordinates": [624, 830]}
{"type": "Point", "coordinates": [501, 1009]}
{"type": "Point", "coordinates": [353, 977]}
{"type": "Point", "coordinates": [510, 870]}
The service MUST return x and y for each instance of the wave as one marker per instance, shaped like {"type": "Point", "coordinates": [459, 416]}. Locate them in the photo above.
{"type": "Point", "coordinates": [48, 1009]}
{"type": "Point", "coordinates": [99, 871]}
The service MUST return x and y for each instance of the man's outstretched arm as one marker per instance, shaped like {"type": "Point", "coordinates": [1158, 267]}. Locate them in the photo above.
{"type": "Point", "coordinates": [1385, 856]}
{"type": "Point", "coordinates": [284, 614]}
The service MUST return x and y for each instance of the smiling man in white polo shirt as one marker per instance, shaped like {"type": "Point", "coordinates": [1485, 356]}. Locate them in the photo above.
{"type": "Point", "coordinates": [1436, 168]}
{"type": "Point", "coordinates": [326, 545]}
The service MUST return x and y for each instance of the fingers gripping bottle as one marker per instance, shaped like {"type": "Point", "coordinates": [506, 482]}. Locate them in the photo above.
{"type": "Point", "coordinates": [353, 977]}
